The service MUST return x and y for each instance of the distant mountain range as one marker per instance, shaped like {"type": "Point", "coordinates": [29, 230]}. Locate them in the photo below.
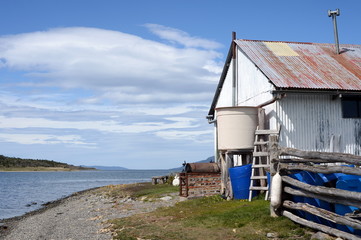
{"type": "Point", "coordinates": [107, 168]}
{"type": "Point", "coordinates": [178, 169]}
{"type": "Point", "coordinates": [11, 162]}
{"type": "Point", "coordinates": [208, 160]}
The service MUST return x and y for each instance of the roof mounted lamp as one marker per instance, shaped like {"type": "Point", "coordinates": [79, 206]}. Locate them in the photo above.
{"type": "Point", "coordinates": [333, 14]}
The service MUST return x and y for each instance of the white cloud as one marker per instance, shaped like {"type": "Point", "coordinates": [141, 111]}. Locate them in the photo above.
{"type": "Point", "coordinates": [114, 62]}
{"type": "Point", "coordinates": [44, 139]}
{"type": "Point", "coordinates": [181, 37]}
{"type": "Point", "coordinates": [201, 136]}
{"type": "Point", "coordinates": [102, 126]}
{"type": "Point", "coordinates": [99, 89]}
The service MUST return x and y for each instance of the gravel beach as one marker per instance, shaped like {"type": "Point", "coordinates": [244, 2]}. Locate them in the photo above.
{"type": "Point", "coordinates": [82, 215]}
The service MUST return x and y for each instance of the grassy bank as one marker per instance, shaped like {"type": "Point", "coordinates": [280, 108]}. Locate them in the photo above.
{"type": "Point", "coordinates": [204, 218]}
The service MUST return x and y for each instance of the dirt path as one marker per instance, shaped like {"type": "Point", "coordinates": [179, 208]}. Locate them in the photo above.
{"type": "Point", "coordinates": [80, 216]}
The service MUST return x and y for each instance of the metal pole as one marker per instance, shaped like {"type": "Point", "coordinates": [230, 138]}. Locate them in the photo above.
{"type": "Point", "coordinates": [234, 66]}
{"type": "Point", "coordinates": [334, 14]}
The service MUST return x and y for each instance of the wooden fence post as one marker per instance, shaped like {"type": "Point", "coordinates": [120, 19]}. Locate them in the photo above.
{"type": "Point", "coordinates": [274, 154]}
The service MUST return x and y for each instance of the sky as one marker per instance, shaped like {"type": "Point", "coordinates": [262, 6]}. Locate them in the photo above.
{"type": "Point", "coordinates": [129, 82]}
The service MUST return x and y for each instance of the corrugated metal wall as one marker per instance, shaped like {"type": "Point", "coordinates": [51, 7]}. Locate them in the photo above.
{"type": "Point", "coordinates": [314, 122]}
{"type": "Point", "coordinates": [308, 121]}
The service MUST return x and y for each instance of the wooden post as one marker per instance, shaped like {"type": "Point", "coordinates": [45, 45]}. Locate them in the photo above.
{"type": "Point", "coordinates": [261, 118]}
{"type": "Point", "coordinates": [223, 173]}
{"type": "Point", "coordinates": [274, 154]}
{"type": "Point", "coordinates": [229, 164]}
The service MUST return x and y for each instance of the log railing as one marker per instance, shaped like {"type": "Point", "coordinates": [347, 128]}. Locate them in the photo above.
{"type": "Point", "coordinates": [286, 161]}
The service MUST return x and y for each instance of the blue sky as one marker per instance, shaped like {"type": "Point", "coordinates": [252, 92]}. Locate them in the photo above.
{"type": "Point", "coordinates": [129, 83]}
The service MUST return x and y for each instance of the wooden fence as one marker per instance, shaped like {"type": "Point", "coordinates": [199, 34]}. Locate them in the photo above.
{"type": "Point", "coordinates": [288, 161]}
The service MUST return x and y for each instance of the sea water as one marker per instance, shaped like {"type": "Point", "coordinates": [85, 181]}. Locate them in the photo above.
{"type": "Point", "coordinates": [22, 192]}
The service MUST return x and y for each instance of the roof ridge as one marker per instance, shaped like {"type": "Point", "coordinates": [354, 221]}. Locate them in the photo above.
{"type": "Point", "coordinates": [307, 43]}
{"type": "Point", "coordinates": [250, 40]}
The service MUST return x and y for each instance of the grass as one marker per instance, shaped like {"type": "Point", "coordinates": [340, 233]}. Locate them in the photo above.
{"type": "Point", "coordinates": [204, 218]}
{"type": "Point", "coordinates": [138, 190]}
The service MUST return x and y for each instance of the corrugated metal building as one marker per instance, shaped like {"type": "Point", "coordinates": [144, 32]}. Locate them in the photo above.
{"type": "Point", "coordinates": [307, 89]}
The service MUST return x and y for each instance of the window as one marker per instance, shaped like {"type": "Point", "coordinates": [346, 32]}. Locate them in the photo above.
{"type": "Point", "coordinates": [351, 106]}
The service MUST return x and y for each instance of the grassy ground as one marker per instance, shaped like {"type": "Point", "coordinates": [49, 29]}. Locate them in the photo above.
{"type": "Point", "coordinates": [204, 218]}
{"type": "Point", "coordinates": [138, 190]}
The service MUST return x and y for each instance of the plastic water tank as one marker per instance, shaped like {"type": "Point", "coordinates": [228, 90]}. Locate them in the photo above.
{"type": "Point", "coordinates": [236, 127]}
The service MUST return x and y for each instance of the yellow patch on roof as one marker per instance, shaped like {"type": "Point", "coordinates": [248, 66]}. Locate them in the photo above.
{"type": "Point", "coordinates": [280, 49]}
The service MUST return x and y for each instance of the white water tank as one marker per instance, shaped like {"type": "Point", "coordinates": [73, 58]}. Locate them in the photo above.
{"type": "Point", "coordinates": [236, 127]}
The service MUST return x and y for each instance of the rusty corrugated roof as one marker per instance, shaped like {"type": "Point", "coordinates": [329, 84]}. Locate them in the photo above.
{"type": "Point", "coordinates": [306, 65]}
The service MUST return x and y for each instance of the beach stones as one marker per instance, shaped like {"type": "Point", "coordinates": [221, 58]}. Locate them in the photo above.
{"type": "Point", "coordinates": [31, 204]}
{"type": "Point", "coordinates": [3, 226]}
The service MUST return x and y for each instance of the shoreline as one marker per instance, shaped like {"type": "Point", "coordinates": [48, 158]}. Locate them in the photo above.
{"type": "Point", "coordinates": [47, 205]}
{"type": "Point", "coordinates": [8, 224]}
{"type": "Point", "coordinates": [82, 215]}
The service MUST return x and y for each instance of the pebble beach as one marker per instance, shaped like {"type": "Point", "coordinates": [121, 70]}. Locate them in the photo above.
{"type": "Point", "coordinates": [83, 215]}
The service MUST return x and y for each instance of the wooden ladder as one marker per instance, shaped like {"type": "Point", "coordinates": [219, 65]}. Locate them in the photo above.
{"type": "Point", "coordinates": [260, 162]}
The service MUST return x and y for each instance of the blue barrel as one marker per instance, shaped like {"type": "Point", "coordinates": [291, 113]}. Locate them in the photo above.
{"type": "Point", "coordinates": [240, 180]}
{"type": "Point", "coordinates": [316, 180]}
{"type": "Point", "coordinates": [350, 183]}
{"type": "Point", "coordinates": [298, 176]}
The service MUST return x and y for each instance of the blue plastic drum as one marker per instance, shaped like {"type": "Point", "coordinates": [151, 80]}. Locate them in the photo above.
{"type": "Point", "coordinates": [240, 180]}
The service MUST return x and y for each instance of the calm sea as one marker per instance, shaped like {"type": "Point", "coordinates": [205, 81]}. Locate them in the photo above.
{"type": "Point", "coordinates": [22, 192]}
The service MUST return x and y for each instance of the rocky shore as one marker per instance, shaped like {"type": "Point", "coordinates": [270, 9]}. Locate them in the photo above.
{"type": "Point", "coordinates": [83, 215]}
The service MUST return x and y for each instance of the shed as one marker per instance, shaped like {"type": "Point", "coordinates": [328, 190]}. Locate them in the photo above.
{"type": "Point", "coordinates": [307, 90]}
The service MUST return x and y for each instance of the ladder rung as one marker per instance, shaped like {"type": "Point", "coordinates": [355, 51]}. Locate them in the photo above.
{"type": "Point", "coordinates": [266, 132]}
{"type": "Point", "coordinates": [260, 154]}
{"type": "Point", "coordinates": [260, 165]}
{"type": "Point", "coordinates": [261, 143]}
{"type": "Point", "coordinates": [258, 188]}
{"type": "Point", "coordinates": [259, 177]}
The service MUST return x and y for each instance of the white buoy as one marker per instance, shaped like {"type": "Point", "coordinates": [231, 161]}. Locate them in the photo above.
{"type": "Point", "coordinates": [276, 191]}
{"type": "Point", "coordinates": [176, 181]}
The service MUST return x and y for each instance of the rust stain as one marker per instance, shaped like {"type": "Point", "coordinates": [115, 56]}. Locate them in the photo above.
{"type": "Point", "coordinates": [314, 66]}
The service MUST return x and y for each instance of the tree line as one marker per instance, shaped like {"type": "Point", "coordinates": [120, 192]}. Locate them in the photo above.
{"type": "Point", "coordinates": [13, 162]}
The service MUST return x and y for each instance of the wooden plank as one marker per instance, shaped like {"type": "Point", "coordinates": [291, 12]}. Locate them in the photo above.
{"type": "Point", "coordinates": [332, 192]}
{"type": "Point", "coordinates": [260, 154]}
{"type": "Point", "coordinates": [260, 166]}
{"type": "Point", "coordinates": [258, 177]}
{"type": "Point", "coordinates": [258, 188]}
{"type": "Point", "coordinates": [261, 143]}
{"type": "Point", "coordinates": [330, 156]}
{"type": "Point", "coordinates": [337, 200]}
{"type": "Point", "coordinates": [320, 227]}
{"type": "Point", "coordinates": [323, 169]}
{"type": "Point", "coordinates": [330, 216]}
{"type": "Point", "coordinates": [266, 132]}
{"type": "Point", "coordinates": [303, 160]}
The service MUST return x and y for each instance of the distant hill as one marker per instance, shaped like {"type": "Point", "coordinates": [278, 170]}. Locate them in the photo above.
{"type": "Point", "coordinates": [208, 160]}
{"type": "Point", "coordinates": [106, 168]}
{"type": "Point", "coordinates": [18, 163]}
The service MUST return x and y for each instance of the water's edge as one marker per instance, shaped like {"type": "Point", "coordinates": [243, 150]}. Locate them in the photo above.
{"type": "Point", "coordinates": [46, 206]}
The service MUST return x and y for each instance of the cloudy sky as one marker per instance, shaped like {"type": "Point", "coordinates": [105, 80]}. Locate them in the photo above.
{"type": "Point", "coordinates": [129, 83]}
